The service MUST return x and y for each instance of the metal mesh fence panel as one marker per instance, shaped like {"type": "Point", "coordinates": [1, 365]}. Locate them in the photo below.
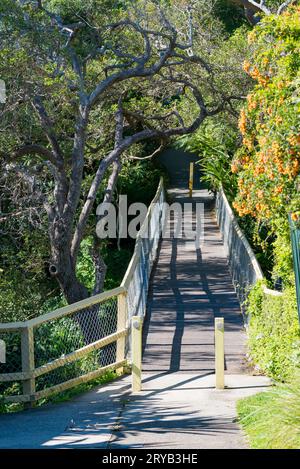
{"type": "Point", "coordinates": [60, 337]}
{"type": "Point", "coordinates": [64, 345]}
{"type": "Point", "coordinates": [245, 269]}
{"type": "Point", "coordinates": [145, 255]}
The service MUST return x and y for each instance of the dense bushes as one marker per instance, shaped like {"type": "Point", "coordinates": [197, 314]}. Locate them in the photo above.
{"type": "Point", "coordinates": [26, 288]}
{"type": "Point", "coordinates": [273, 332]}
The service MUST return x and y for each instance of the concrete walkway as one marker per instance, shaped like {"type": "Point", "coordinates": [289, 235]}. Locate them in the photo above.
{"type": "Point", "coordinates": [178, 407]}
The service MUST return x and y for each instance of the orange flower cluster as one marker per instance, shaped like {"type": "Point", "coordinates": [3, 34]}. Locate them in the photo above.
{"type": "Point", "coordinates": [252, 104]}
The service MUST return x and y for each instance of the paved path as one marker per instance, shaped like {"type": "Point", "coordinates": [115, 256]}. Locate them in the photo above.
{"type": "Point", "coordinates": [178, 407]}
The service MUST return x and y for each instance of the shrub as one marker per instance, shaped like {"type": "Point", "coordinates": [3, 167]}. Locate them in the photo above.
{"type": "Point", "coordinates": [272, 419]}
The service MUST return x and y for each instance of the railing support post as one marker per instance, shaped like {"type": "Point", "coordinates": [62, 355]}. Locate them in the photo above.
{"type": "Point", "coordinates": [137, 327]}
{"type": "Point", "coordinates": [121, 324]}
{"type": "Point", "coordinates": [191, 180]}
{"type": "Point", "coordinates": [27, 349]}
{"type": "Point", "coordinates": [219, 352]}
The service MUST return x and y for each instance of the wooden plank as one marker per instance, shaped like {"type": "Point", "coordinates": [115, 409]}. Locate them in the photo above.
{"type": "Point", "coordinates": [61, 312]}
{"type": "Point", "coordinates": [136, 331]}
{"type": "Point", "coordinates": [132, 265]}
{"type": "Point", "coordinates": [18, 399]}
{"type": "Point", "coordinates": [27, 350]}
{"type": "Point", "coordinates": [20, 376]}
{"type": "Point", "coordinates": [219, 352]}
{"type": "Point", "coordinates": [73, 356]}
{"type": "Point", "coordinates": [255, 264]}
{"type": "Point", "coordinates": [12, 326]}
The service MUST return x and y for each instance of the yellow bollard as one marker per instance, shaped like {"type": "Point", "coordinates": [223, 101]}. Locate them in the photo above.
{"type": "Point", "coordinates": [219, 352]}
{"type": "Point", "coordinates": [191, 180]}
{"type": "Point", "coordinates": [137, 327]}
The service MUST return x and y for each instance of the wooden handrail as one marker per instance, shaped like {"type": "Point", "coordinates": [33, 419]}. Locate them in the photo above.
{"type": "Point", "coordinates": [29, 373]}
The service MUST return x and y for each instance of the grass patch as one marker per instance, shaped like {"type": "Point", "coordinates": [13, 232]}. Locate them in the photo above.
{"type": "Point", "coordinates": [271, 419]}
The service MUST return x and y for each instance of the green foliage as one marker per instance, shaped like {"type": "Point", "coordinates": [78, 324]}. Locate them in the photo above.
{"type": "Point", "coordinates": [273, 332]}
{"type": "Point", "coordinates": [271, 419]}
{"type": "Point", "coordinates": [231, 16]}
{"type": "Point", "coordinates": [62, 396]}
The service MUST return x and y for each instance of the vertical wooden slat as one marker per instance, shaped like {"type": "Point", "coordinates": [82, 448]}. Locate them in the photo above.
{"type": "Point", "coordinates": [27, 348]}
{"type": "Point", "coordinates": [219, 352]}
{"type": "Point", "coordinates": [137, 326]}
{"type": "Point", "coordinates": [121, 324]}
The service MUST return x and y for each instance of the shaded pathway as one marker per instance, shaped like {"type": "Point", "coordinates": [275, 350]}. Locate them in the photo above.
{"type": "Point", "coordinates": [190, 287]}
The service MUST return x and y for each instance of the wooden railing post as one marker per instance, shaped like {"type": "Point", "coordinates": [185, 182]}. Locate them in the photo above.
{"type": "Point", "coordinates": [191, 179]}
{"type": "Point", "coordinates": [27, 349]}
{"type": "Point", "coordinates": [121, 324]}
{"type": "Point", "coordinates": [219, 352]}
{"type": "Point", "coordinates": [137, 326]}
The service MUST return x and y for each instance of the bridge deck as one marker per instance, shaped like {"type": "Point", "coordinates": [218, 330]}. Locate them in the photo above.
{"type": "Point", "coordinates": [190, 287]}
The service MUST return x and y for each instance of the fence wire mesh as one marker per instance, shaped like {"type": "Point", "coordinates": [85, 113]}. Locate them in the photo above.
{"type": "Point", "coordinates": [147, 245]}
{"type": "Point", "coordinates": [13, 362]}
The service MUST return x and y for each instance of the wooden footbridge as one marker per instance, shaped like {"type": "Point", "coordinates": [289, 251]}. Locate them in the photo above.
{"type": "Point", "coordinates": [159, 325]}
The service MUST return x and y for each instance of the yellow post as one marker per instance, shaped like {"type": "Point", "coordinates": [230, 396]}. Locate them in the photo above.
{"type": "Point", "coordinates": [137, 326]}
{"type": "Point", "coordinates": [191, 179]}
{"type": "Point", "coordinates": [121, 324]}
{"type": "Point", "coordinates": [219, 352]}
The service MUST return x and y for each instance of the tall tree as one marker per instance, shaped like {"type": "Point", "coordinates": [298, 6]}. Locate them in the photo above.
{"type": "Point", "coordinates": [84, 84]}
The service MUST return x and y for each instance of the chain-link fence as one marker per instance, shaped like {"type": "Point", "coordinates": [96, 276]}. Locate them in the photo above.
{"type": "Point", "coordinates": [54, 351]}
{"type": "Point", "coordinates": [79, 342]}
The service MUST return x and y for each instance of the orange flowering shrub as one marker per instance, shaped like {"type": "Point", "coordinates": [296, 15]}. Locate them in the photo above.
{"type": "Point", "coordinates": [268, 163]}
